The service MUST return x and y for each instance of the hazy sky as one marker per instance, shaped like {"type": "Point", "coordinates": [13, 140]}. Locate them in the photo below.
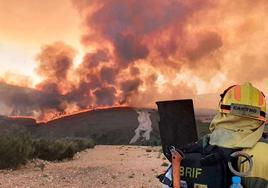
{"type": "Point", "coordinates": [26, 25]}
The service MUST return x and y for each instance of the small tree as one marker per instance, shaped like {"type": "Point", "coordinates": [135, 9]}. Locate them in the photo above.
{"type": "Point", "coordinates": [15, 150]}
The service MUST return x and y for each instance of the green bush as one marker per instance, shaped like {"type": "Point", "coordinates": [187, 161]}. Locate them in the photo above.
{"type": "Point", "coordinates": [83, 143]}
{"type": "Point", "coordinates": [59, 149]}
{"type": "Point", "coordinates": [52, 150]}
{"type": "Point", "coordinates": [15, 150]}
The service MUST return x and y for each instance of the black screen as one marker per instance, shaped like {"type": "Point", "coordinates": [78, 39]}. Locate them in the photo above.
{"type": "Point", "coordinates": [177, 123]}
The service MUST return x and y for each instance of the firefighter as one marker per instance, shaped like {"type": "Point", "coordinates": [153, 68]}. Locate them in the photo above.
{"type": "Point", "coordinates": [239, 124]}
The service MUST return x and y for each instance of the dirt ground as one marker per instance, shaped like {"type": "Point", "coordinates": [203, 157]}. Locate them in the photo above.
{"type": "Point", "coordinates": [103, 166]}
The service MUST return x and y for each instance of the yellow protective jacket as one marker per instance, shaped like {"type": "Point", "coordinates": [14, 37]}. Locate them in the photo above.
{"type": "Point", "coordinates": [258, 177]}
{"type": "Point", "coordinates": [237, 132]}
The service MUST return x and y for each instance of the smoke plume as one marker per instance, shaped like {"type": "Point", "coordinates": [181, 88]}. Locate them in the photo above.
{"type": "Point", "coordinates": [143, 51]}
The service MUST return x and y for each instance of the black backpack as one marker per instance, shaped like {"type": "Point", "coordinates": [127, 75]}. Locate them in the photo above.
{"type": "Point", "coordinates": [204, 164]}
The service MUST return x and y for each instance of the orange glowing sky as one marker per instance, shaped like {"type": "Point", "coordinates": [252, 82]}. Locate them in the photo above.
{"type": "Point", "coordinates": [26, 25]}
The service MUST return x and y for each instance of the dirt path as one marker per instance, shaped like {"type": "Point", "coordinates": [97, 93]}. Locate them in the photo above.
{"type": "Point", "coordinates": [103, 166]}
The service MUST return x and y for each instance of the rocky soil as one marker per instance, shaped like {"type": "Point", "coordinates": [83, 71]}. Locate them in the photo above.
{"type": "Point", "coordinates": [103, 166]}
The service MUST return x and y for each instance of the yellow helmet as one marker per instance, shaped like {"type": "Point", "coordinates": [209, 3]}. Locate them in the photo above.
{"type": "Point", "coordinates": [243, 100]}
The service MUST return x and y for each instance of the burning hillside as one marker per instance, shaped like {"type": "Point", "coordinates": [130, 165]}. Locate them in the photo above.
{"type": "Point", "coordinates": [137, 52]}
{"type": "Point", "coordinates": [115, 125]}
